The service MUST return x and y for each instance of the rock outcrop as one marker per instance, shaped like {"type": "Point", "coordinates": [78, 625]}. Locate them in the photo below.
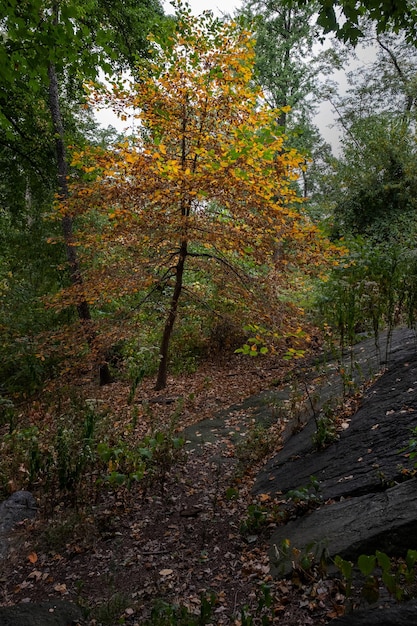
{"type": "Point", "coordinates": [366, 504]}
{"type": "Point", "coordinates": [52, 613]}
{"type": "Point", "coordinates": [19, 506]}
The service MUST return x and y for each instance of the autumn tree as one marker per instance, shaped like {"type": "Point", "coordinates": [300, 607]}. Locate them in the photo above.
{"type": "Point", "coordinates": [200, 199]}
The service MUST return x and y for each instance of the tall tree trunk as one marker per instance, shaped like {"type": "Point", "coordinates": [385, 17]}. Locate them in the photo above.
{"type": "Point", "coordinates": [63, 192]}
{"type": "Point", "coordinates": [76, 278]}
{"type": "Point", "coordinates": [161, 380]}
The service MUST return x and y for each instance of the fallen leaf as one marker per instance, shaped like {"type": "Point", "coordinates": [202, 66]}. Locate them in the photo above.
{"type": "Point", "coordinates": [264, 497]}
{"type": "Point", "coordinates": [33, 557]}
{"type": "Point", "coordinates": [165, 572]}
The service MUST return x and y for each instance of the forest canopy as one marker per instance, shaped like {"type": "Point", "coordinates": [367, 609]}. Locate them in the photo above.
{"type": "Point", "coordinates": [346, 17]}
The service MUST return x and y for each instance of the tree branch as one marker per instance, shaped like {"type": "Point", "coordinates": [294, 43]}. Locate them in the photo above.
{"type": "Point", "coordinates": [409, 98]}
{"type": "Point", "coordinates": [221, 261]}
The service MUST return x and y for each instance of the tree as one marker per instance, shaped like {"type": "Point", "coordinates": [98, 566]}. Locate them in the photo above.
{"type": "Point", "coordinates": [285, 35]}
{"type": "Point", "coordinates": [48, 42]}
{"type": "Point", "coordinates": [344, 17]}
{"type": "Point", "coordinates": [199, 200]}
{"type": "Point", "coordinates": [377, 116]}
{"type": "Point", "coordinates": [290, 67]}
{"type": "Point", "coordinates": [377, 199]}
{"type": "Point", "coordinates": [47, 49]}
{"type": "Point", "coordinates": [385, 85]}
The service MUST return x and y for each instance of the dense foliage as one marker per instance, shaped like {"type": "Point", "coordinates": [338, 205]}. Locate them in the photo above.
{"type": "Point", "coordinates": [216, 227]}
{"type": "Point", "coordinates": [345, 17]}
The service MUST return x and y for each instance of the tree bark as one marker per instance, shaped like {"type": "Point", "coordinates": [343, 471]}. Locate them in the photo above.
{"type": "Point", "coordinates": [63, 192]}
{"type": "Point", "coordinates": [161, 380]}
{"type": "Point", "coordinates": [83, 309]}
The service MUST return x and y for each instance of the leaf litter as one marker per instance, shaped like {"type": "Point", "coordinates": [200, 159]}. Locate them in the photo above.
{"type": "Point", "coordinates": [180, 540]}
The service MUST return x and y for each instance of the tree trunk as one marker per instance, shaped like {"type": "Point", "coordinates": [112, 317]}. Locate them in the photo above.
{"type": "Point", "coordinates": [161, 380]}
{"type": "Point", "coordinates": [55, 109]}
{"type": "Point", "coordinates": [76, 278]}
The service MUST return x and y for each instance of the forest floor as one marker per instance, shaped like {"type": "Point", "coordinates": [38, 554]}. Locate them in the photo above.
{"type": "Point", "coordinates": [195, 532]}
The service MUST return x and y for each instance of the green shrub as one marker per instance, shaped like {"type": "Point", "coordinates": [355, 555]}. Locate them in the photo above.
{"type": "Point", "coordinates": [374, 287]}
{"type": "Point", "coordinates": [396, 575]}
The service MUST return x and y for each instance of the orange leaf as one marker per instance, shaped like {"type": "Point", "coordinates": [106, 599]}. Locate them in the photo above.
{"type": "Point", "coordinates": [33, 557]}
{"type": "Point", "coordinates": [264, 497]}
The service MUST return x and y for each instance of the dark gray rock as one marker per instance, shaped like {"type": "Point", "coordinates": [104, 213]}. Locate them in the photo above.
{"type": "Point", "coordinates": [269, 406]}
{"type": "Point", "coordinates": [19, 506]}
{"type": "Point", "coordinates": [368, 507]}
{"type": "Point", "coordinates": [367, 456]}
{"type": "Point", "coordinates": [385, 521]}
{"type": "Point", "coordinates": [399, 615]}
{"type": "Point", "coordinates": [43, 614]}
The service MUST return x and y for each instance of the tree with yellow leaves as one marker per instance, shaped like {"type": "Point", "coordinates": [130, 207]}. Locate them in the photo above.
{"type": "Point", "coordinates": [204, 185]}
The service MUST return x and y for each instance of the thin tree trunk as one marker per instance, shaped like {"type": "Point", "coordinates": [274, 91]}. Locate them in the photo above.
{"type": "Point", "coordinates": [63, 192]}
{"type": "Point", "coordinates": [185, 206]}
{"type": "Point", "coordinates": [83, 309]}
{"type": "Point", "coordinates": [161, 380]}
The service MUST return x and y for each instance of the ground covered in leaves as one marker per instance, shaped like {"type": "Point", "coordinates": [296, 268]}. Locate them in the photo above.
{"type": "Point", "coordinates": [193, 534]}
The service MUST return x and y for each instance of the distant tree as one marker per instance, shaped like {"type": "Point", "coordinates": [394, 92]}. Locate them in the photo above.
{"type": "Point", "coordinates": [286, 65]}
{"type": "Point", "coordinates": [379, 197]}
{"type": "Point", "coordinates": [377, 118]}
{"type": "Point", "coordinates": [290, 67]}
{"type": "Point", "coordinates": [386, 84]}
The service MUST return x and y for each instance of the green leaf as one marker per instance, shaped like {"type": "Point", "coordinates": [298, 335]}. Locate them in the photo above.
{"type": "Point", "coordinates": [370, 590]}
{"type": "Point", "coordinates": [411, 558]}
{"type": "Point", "coordinates": [383, 560]}
{"type": "Point", "coordinates": [367, 564]}
{"type": "Point", "coordinates": [390, 582]}
{"type": "Point", "coordinates": [146, 453]}
{"type": "Point", "coordinates": [346, 567]}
